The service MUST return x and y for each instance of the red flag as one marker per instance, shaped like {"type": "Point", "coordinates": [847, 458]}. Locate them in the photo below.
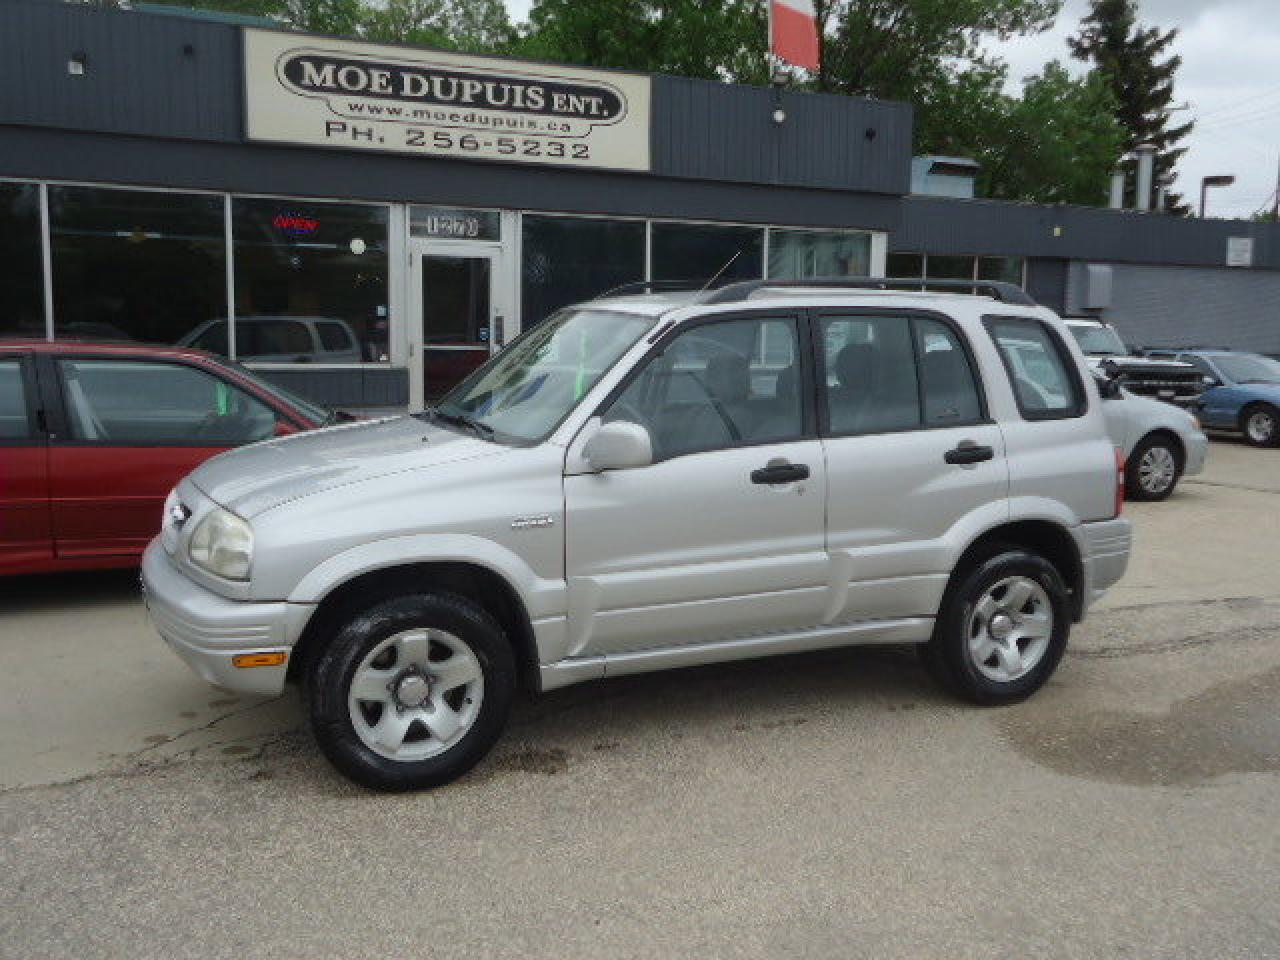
{"type": "Point", "coordinates": [793, 32]}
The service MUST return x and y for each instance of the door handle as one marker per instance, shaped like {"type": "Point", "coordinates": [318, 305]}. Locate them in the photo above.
{"type": "Point", "coordinates": [776, 473]}
{"type": "Point", "coordinates": [969, 452]}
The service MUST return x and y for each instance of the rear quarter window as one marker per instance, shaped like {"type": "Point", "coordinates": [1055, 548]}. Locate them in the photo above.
{"type": "Point", "coordinates": [1042, 372]}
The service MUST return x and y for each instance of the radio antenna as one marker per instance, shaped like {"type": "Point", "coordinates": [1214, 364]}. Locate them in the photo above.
{"type": "Point", "coordinates": [727, 264]}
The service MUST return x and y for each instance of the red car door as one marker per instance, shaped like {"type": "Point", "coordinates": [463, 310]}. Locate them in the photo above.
{"type": "Point", "coordinates": [133, 427]}
{"type": "Point", "coordinates": [26, 539]}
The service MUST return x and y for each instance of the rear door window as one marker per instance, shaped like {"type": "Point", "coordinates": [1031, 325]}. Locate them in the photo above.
{"type": "Point", "coordinates": [1044, 380]}
{"type": "Point", "coordinates": [869, 374]}
{"type": "Point", "coordinates": [15, 418]}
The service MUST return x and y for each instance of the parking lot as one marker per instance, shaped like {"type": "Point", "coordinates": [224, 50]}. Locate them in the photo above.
{"type": "Point", "coordinates": [833, 804]}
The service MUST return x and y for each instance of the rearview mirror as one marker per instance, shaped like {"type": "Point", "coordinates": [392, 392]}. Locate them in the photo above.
{"type": "Point", "coordinates": [619, 445]}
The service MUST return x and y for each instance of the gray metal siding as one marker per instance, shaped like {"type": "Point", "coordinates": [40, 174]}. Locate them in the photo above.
{"type": "Point", "coordinates": [700, 132]}
{"type": "Point", "coordinates": [944, 225]}
{"type": "Point", "coordinates": [1170, 306]}
{"type": "Point", "coordinates": [139, 79]}
{"type": "Point", "coordinates": [242, 168]}
{"type": "Point", "coordinates": [346, 389]}
{"type": "Point", "coordinates": [1047, 283]}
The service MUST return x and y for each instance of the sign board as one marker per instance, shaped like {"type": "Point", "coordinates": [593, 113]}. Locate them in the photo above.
{"type": "Point", "coordinates": [1239, 251]}
{"type": "Point", "coordinates": [334, 93]}
{"type": "Point", "coordinates": [454, 223]}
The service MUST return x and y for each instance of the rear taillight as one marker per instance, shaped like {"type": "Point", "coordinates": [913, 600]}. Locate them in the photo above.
{"type": "Point", "coordinates": [1119, 481]}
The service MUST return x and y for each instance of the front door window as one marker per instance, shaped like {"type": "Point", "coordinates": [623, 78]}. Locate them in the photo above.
{"type": "Point", "coordinates": [457, 295]}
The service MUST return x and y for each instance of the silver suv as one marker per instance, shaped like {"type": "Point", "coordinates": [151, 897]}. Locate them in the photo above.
{"type": "Point", "coordinates": [651, 481]}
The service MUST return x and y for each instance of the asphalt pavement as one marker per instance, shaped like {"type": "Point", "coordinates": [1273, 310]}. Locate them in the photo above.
{"type": "Point", "coordinates": [823, 805]}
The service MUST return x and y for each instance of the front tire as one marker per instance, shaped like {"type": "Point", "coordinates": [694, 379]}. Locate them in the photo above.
{"type": "Point", "coordinates": [412, 692]}
{"type": "Point", "coordinates": [1153, 469]}
{"type": "Point", "coordinates": [1260, 424]}
{"type": "Point", "coordinates": [1002, 628]}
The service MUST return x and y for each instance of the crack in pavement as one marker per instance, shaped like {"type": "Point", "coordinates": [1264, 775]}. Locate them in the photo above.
{"type": "Point", "coordinates": [1233, 486]}
{"type": "Point", "coordinates": [136, 761]}
{"type": "Point", "coordinates": [1116, 652]}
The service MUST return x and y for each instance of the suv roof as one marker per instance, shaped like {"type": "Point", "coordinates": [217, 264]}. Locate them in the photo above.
{"type": "Point", "coordinates": [658, 297]}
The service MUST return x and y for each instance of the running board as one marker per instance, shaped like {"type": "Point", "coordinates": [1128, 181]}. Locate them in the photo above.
{"type": "Point", "coordinates": [868, 632]}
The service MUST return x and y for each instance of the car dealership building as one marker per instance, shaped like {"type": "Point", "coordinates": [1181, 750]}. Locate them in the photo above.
{"type": "Point", "coordinates": [364, 223]}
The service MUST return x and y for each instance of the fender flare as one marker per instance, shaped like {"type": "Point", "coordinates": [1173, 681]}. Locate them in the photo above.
{"type": "Point", "coordinates": [541, 597]}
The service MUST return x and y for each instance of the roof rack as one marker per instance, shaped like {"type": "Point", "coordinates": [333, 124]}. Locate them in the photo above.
{"type": "Point", "coordinates": [996, 289]}
{"type": "Point", "coordinates": [654, 286]}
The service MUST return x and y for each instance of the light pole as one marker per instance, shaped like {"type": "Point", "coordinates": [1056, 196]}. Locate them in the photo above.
{"type": "Point", "coordinates": [1221, 180]}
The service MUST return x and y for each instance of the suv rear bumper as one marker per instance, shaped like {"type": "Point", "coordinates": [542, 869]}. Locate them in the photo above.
{"type": "Point", "coordinates": [1104, 553]}
{"type": "Point", "coordinates": [207, 630]}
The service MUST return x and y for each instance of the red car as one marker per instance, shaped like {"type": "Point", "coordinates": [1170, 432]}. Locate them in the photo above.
{"type": "Point", "coordinates": [93, 437]}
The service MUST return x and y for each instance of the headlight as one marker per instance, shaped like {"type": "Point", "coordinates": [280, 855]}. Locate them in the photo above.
{"type": "Point", "coordinates": [223, 545]}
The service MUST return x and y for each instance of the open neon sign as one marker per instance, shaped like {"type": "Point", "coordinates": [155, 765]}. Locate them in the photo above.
{"type": "Point", "coordinates": [295, 224]}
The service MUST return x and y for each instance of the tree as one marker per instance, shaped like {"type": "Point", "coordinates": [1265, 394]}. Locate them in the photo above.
{"type": "Point", "coordinates": [1056, 143]}
{"type": "Point", "coordinates": [903, 49]}
{"type": "Point", "coordinates": [1134, 62]}
{"type": "Point", "coordinates": [477, 26]}
{"type": "Point", "coordinates": [713, 39]}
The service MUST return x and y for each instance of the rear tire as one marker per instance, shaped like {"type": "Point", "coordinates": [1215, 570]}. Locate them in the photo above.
{"type": "Point", "coordinates": [412, 692]}
{"type": "Point", "coordinates": [1002, 628]}
{"type": "Point", "coordinates": [1153, 469]}
{"type": "Point", "coordinates": [1260, 424]}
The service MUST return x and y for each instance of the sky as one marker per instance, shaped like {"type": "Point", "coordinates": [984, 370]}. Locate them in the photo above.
{"type": "Point", "coordinates": [1229, 50]}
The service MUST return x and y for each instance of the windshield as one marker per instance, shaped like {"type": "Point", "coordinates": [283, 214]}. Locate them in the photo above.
{"type": "Point", "coordinates": [1248, 368]}
{"type": "Point", "coordinates": [524, 392]}
{"type": "Point", "coordinates": [312, 411]}
{"type": "Point", "coordinates": [1098, 341]}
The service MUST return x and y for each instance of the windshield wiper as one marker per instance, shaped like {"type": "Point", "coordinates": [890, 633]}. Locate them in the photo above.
{"type": "Point", "coordinates": [478, 427]}
{"type": "Point", "coordinates": [1259, 380]}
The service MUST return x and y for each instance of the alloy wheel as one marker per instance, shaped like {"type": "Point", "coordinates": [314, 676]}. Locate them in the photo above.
{"type": "Point", "coordinates": [1009, 629]}
{"type": "Point", "coordinates": [416, 694]}
{"type": "Point", "coordinates": [1261, 426]}
{"type": "Point", "coordinates": [1157, 470]}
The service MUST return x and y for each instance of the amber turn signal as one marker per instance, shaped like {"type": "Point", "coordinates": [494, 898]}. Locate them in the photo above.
{"type": "Point", "coordinates": [259, 659]}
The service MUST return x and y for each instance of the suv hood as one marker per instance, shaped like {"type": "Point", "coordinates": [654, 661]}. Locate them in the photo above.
{"type": "Point", "coordinates": [252, 479]}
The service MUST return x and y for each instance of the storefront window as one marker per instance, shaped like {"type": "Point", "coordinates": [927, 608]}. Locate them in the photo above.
{"type": "Point", "coordinates": [136, 265]}
{"type": "Point", "coordinates": [311, 283]}
{"type": "Point", "coordinates": [21, 279]}
{"type": "Point", "coordinates": [572, 259]}
{"type": "Point", "coordinates": [1008, 269]}
{"type": "Point", "coordinates": [904, 265]}
{"type": "Point", "coordinates": [940, 267]}
{"type": "Point", "coordinates": [699, 252]}
{"type": "Point", "coordinates": [796, 254]}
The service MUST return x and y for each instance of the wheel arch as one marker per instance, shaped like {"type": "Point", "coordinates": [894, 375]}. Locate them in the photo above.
{"type": "Point", "coordinates": [1043, 537]}
{"type": "Point", "coordinates": [1251, 406]}
{"type": "Point", "coordinates": [474, 581]}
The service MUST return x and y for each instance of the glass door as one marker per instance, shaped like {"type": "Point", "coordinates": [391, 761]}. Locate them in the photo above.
{"type": "Point", "coordinates": [454, 287]}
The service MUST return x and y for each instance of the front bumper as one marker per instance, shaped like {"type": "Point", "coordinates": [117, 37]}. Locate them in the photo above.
{"type": "Point", "coordinates": [1104, 550]}
{"type": "Point", "coordinates": [207, 630]}
{"type": "Point", "coordinates": [1197, 448]}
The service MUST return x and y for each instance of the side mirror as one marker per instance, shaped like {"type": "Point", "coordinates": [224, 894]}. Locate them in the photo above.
{"type": "Point", "coordinates": [1109, 381]}
{"type": "Point", "coordinates": [618, 446]}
